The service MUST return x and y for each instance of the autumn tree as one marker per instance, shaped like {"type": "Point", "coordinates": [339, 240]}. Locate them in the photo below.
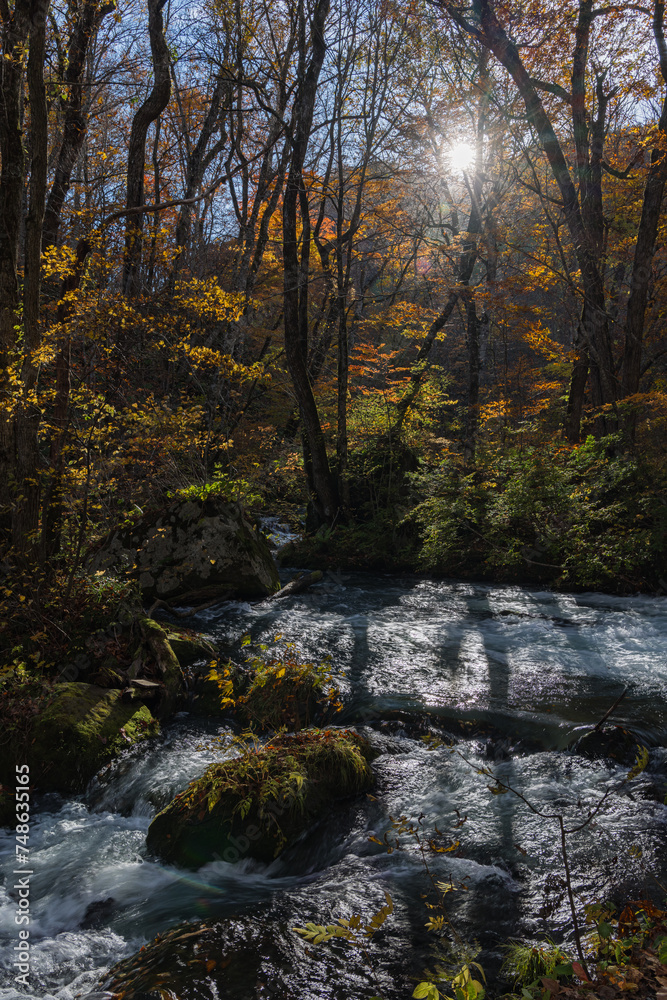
{"type": "Point", "coordinates": [578, 114]}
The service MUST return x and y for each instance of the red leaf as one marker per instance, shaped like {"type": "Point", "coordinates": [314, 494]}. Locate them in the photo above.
{"type": "Point", "coordinates": [579, 970]}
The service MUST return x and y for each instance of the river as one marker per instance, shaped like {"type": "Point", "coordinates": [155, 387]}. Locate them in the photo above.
{"type": "Point", "coordinates": [511, 673]}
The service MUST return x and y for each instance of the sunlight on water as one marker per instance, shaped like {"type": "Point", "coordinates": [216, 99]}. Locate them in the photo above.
{"type": "Point", "coordinates": [525, 668]}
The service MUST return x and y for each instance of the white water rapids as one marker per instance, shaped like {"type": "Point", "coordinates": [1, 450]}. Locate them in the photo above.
{"type": "Point", "coordinates": [525, 668]}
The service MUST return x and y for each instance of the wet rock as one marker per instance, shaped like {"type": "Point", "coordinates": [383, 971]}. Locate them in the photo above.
{"type": "Point", "coordinates": [192, 549]}
{"type": "Point", "coordinates": [391, 742]}
{"type": "Point", "coordinates": [228, 955]}
{"type": "Point", "coordinates": [608, 743]}
{"type": "Point", "coordinates": [259, 955]}
{"type": "Point", "coordinates": [498, 749]}
{"type": "Point", "coordinates": [97, 913]}
{"type": "Point", "coordinates": [260, 802]}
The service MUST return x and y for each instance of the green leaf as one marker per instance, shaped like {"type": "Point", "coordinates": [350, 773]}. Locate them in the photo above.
{"type": "Point", "coordinates": [640, 762]}
{"type": "Point", "coordinates": [564, 970]}
{"type": "Point", "coordinates": [426, 991]}
{"type": "Point", "coordinates": [481, 970]}
{"type": "Point", "coordinates": [421, 991]}
{"type": "Point", "coordinates": [604, 930]}
{"type": "Point", "coordinates": [662, 950]}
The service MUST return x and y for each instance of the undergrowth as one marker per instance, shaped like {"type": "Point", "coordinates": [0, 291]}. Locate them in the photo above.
{"type": "Point", "coordinates": [277, 687]}
{"type": "Point", "coordinates": [591, 516]}
{"type": "Point", "coordinates": [46, 623]}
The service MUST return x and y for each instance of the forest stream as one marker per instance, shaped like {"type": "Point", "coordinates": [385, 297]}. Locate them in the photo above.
{"type": "Point", "coordinates": [510, 673]}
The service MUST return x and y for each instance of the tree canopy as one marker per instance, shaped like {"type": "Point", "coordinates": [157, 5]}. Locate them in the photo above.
{"type": "Point", "coordinates": [306, 249]}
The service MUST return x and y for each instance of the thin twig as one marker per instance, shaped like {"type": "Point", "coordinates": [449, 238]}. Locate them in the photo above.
{"type": "Point", "coordinates": [609, 711]}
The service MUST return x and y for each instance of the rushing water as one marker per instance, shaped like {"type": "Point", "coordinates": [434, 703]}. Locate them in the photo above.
{"type": "Point", "coordinates": [512, 673]}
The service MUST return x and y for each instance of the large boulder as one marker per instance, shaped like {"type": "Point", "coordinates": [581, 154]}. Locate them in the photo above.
{"type": "Point", "coordinates": [192, 549]}
{"type": "Point", "coordinates": [224, 959]}
{"type": "Point", "coordinates": [260, 802]}
{"type": "Point", "coordinates": [73, 730]}
{"type": "Point", "coordinates": [256, 954]}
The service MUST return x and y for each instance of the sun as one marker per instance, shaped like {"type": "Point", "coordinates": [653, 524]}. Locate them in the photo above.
{"type": "Point", "coordinates": [461, 156]}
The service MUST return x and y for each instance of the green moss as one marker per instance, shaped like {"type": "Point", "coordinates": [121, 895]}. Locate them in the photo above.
{"type": "Point", "coordinates": [258, 803]}
{"type": "Point", "coordinates": [167, 662]}
{"type": "Point", "coordinates": [189, 647]}
{"type": "Point", "coordinates": [81, 728]}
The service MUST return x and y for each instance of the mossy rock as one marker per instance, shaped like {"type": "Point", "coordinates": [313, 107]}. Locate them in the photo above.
{"type": "Point", "coordinates": [79, 729]}
{"type": "Point", "coordinates": [266, 696]}
{"type": "Point", "coordinates": [190, 550]}
{"type": "Point", "coordinates": [171, 675]}
{"type": "Point", "coordinates": [260, 802]}
{"type": "Point", "coordinates": [291, 694]}
{"type": "Point", "coordinates": [188, 647]}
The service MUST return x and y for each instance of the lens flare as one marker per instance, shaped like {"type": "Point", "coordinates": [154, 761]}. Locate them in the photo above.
{"type": "Point", "coordinates": [461, 156]}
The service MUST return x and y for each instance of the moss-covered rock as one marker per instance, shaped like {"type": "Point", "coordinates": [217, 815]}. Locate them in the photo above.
{"type": "Point", "coordinates": [168, 666]}
{"type": "Point", "coordinates": [188, 646]}
{"type": "Point", "coordinates": [76, 729]}
{"type": "Point", "coordinates": [81, 729]}
{"type": "Point", "coordinates": [279, 691]}
{"type": "Point", "coordinates": [258, 803]}
{"type": "Point", "coordinates": [287, 692]}
{"type": "Point", "coordinates": [191, 549]}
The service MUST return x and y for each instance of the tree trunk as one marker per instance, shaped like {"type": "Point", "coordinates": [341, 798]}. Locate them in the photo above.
{"type": "Point", "coordinates": [472, 408]}
{"type": "Point", "coordinates": [198, 162]}
{"type": "Point", "coordinates": [25, 517]}
{"type": "Point", "coordinates": [578, 380]}
{"type": "Point", "coordinates": [581, 218]}
{"type": "Point", "coordinates": [647, 234]}
{"type": "Point", "coordinates": [75, 124]}
{"type": "Point", "coordinates": [149, 111]}
{"type": "Point", "coordinates": [15, 30]}
{"type": "Point", "coordinates": [295, 289]}
{"type": "Point", "coordinates": [342, 391]}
